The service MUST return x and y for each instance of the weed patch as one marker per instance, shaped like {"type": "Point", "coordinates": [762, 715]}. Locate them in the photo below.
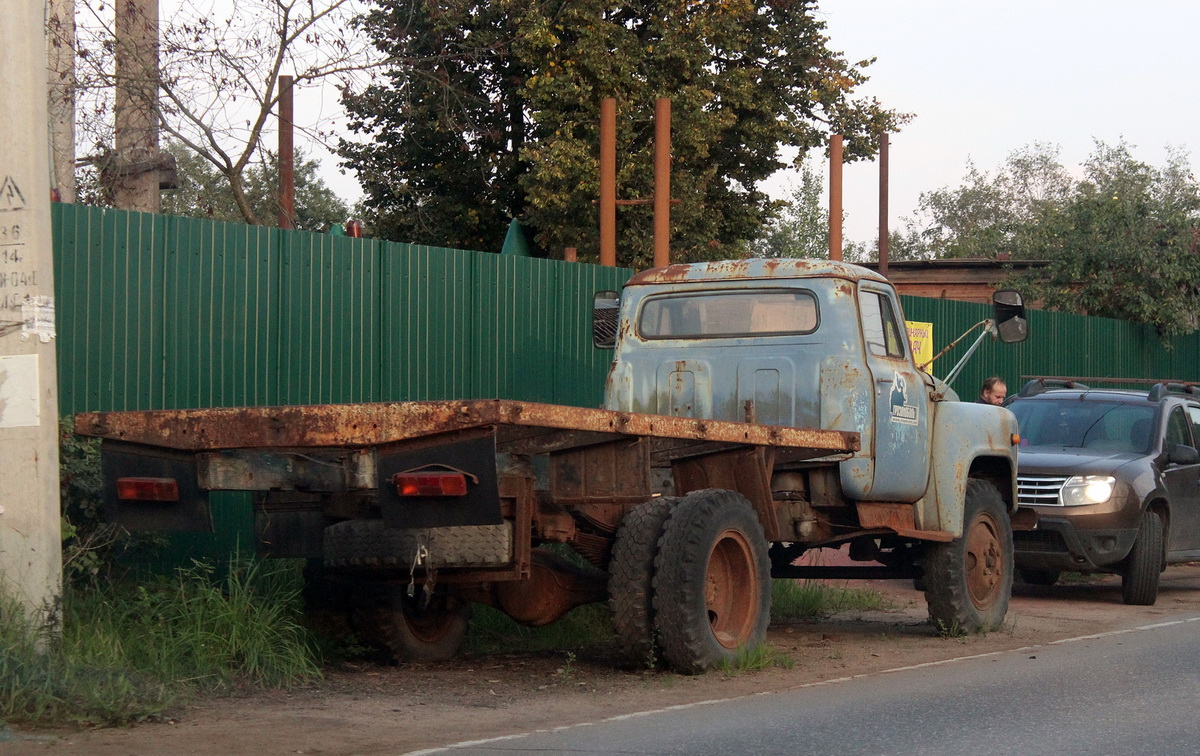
{"type": "Point", "coordinates": [816, 599]}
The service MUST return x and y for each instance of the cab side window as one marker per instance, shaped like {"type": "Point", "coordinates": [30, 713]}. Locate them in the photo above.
{"type": "Point", "coordinates": [881, 330]}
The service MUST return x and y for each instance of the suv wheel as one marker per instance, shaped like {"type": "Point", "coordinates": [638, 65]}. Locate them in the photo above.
{"type": "Point", "coordinates": [1139, 579]}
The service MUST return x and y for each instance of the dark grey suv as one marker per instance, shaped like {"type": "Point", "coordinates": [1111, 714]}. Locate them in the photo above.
{"type": "Point", "coordinates": [1114, 476]}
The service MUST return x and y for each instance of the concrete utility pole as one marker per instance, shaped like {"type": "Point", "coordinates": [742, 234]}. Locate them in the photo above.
{"type": "Point", "coordinates": [30, 542]}
{"type": "Point", "coordinates": [134, 175]}
{"type": "Point", "coordinates": [61, 53]}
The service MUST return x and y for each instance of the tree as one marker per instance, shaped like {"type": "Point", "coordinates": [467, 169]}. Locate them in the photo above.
{"type": "Point", "coordinates": [1118, 242]}
{"type": "Point", "coordinates": [800, 227]}
{"type": "Point", "coordinates": [1125, 243]}
{"type": "Point", "coordinates": [202, 194]}
{"type": "Point", "coordinates": [992, 214]}
{"type": "Point", "coordinates": [216, 78]}
{"type": "Point", "coordinates": [491, 111]}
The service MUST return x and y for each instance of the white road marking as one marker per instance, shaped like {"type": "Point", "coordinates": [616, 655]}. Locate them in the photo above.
{"type": "Point", "coordinates": [817, 684]}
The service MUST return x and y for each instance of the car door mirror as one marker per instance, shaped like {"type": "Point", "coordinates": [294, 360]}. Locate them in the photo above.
{"type": "Point", "coordinates": [1182, 454]}
{"type": "Point", "coordinates": [1008, 309]}
{"type": "Point", "coordinates": [605, 312]}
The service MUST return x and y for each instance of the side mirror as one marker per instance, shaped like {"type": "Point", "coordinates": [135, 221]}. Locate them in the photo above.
{"type": "Point", "coordinates": [1181, 454]}
{"type": "Point", "coordinates": [605, 316]}
{"type": "Point", "coordinates": [1008, 309]}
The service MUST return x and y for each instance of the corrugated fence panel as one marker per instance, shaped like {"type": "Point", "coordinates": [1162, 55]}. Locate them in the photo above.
{"type": "Point", "coordinates": [157, 312]}
{"type": "Point", "coordinates": [426, 322]}
{"type": "Point", "coordinates": [1060, 344]}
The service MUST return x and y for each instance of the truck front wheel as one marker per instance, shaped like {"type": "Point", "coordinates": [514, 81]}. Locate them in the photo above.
{"type": "Point", "coordinates": [969, 580]}
{"type": "Point", "coordinates": [712, 581]}
{"type": "Point", "coordinates": [410, 629]}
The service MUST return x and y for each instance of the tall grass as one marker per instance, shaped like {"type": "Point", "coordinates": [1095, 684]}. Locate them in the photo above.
{"type": "Point", "coordinates": [816, 599]}
{"type": "Point", "coordinates": [127, 653]}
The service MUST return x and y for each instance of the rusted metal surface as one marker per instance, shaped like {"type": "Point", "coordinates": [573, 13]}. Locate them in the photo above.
{"type": "Point", "coordinates": [608, 182]}
{"type": "Point", "coordinates": [662, 182]}
{"type": "Point", "coordinates": [747, 471]}
{"type": "Point", "coordinates": [611, 473]}
{"type": "Point", "coordinates": [835, 197]}
{"type": "Point", "coordinates": [754, 268]}
{"type": "Point", "coordinates": [897, 517]}
{"type": "Point", "coordinates": [358, 425]}
{"type": "Point", "coordinates": [554, 587]}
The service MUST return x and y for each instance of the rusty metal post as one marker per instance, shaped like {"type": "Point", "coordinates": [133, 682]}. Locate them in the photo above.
{"type": "Point", "coordinates": [570, 254]}
{"type": "Point", "coordinates": [835, 197]}
{"type": "Point", "coordinates": [662, 182]}
{"type": "Point", "coordinates": [884, 241]}
{"type": "Point", "coordinates": [287, 157]}
{"type": "Point", "coordinates": [608, 182]}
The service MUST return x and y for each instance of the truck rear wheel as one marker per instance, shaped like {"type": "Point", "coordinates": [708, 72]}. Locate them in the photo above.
{"type": "Point", "coordinates": [408, 629]}
{"type": "Point", "coordinates": [631, 577]}
{"type": "Point", "coordinates": [712, 581]}
{"type": "Point", "coordinates": [969, 580]}
{"type": "Point", "coordinates": [1139, 578]}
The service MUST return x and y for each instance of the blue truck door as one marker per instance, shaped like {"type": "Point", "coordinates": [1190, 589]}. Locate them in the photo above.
{"type": "Point", "coordinates": [901, 408]}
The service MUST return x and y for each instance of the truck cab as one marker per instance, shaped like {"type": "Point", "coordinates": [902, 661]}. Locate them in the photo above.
{"type": "Point", "coordinates": [810, 343]}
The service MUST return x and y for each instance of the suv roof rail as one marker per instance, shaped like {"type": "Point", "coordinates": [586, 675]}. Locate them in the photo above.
{"type": "Point", "coordinates": [1039, 385]}
{"type": "Point", "coordinates": [1159, 390]}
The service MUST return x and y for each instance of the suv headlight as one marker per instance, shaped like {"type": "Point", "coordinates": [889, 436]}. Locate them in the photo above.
{"type": "Point", "coordinates": [1087, 489]}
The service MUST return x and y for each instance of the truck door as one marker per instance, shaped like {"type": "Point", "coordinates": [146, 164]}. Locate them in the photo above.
{"type": "Point", "coordinates": [1183, 484]}
{"type": "Point", "coordinates": [901, 439]}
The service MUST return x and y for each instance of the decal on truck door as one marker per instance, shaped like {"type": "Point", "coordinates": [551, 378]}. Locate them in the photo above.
{"type": "Point", "coordinates": [903, 411]}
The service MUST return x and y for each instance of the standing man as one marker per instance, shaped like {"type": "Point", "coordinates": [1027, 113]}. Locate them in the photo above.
{"type": "Point", "coordinates": [994, 391]}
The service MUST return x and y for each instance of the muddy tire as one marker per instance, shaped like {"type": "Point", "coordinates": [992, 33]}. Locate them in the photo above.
{"type": "Point", "coordinates": [969, 580]}
{"type": "Point", "coordinates": [405, 631]}
{"type": "Point", "coordinates": [1039, 577]}
{"type": "Point", "coordinates": [1139, 578]}
{"type": "Point", "coordinates": [712, 581]}
{"type": "Point", "coordinates": [631, 577]}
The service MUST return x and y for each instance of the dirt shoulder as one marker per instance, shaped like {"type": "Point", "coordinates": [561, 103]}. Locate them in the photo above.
{"type": "Point", "coordinates": [391, 710]}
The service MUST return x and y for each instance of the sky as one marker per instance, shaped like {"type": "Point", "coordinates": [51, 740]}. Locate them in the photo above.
{"type": "Point", "coordinates": [987, 78]}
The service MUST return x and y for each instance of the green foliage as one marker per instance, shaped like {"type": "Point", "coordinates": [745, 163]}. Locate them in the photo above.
{"type": "Point", "coordinates": [814, 599]}
{"type": "Point", "coordinates": [204, 192]}
{"type": "Point", "coordinates": [1121, 222]}
{"type": "Point", "coordinates": [127, 652]}
{"type": "Point", "coordinates": [801, 228]}
{"type": "Point", "coordinates": [756, 659]}
{"type": "Point", "coordinates": [91, 547]}
{"type": "Point", "coordinates": [491, 111]}
{"type": "Point", "coordinates": [492, 631]}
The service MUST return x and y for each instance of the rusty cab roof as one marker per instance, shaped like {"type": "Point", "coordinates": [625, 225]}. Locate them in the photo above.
{"type": "Point", "coordinates": [754, 268]}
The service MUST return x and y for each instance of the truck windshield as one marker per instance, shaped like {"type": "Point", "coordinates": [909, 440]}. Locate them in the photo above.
{"type": "Point", "coordinates": [1102, 426]}
{"type": "Point", "coordinates": [728, 314]}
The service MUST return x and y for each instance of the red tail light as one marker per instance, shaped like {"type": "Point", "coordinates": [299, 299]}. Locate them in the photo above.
{"type": "Point", "coordinates": [430, 483]}
{"type": "Point", "coordinates": [147, 489]}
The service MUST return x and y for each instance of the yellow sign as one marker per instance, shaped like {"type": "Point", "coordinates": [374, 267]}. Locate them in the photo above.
{"type": "Point", "coordinates": [920, 335]}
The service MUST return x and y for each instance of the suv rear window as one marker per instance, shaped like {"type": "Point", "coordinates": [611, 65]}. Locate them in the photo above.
{"type": "Point", "coordinates": [729, 314]}
{"type": "Point", "coordinates": [1104, 426]}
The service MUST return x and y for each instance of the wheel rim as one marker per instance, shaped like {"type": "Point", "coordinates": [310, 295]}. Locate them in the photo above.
{"type": "Point", "coordinates": [429, 625]}
{"type": "Point", "coordinates": [985, 561]}
{"type": "Point", "coordinates": [731, 589]}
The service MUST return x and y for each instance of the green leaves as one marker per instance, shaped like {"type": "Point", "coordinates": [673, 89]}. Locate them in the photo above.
{"type": "Point", "coordinates": [1119, 241]}
{"type": "Point", "coordinates": [495, 107]}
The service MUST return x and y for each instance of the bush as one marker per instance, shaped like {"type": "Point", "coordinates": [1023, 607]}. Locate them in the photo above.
{"type": "Point", "coordinates": [127, 652]}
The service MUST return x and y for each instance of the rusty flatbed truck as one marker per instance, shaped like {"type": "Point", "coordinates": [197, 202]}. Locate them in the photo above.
{"type": "Point", "coordinates": [754, 410]}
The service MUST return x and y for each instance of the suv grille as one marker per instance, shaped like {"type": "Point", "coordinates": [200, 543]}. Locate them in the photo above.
{"type": "Point", "coordinates": [1039, 490]}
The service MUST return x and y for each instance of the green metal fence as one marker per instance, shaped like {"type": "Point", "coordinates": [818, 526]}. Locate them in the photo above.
{"type": "Point", "coordinates": [1059, 344]}
{"type": "Point", "coordinates": [158, 312]}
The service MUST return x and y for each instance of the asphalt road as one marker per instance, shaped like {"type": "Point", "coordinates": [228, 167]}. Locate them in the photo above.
{"type": "Point", "coordinates": [1128, 692]}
